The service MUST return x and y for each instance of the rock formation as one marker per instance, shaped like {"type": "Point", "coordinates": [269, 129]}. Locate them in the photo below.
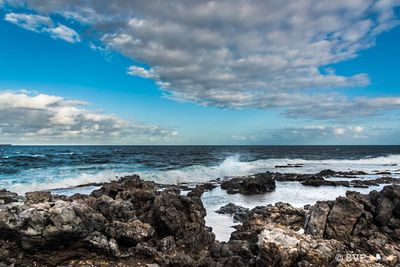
{"type": "Point", "coordinates": [131, 222]}
{"type": "Point", "coordinates": [250, 185]}
{"type": "Point", "coordinates": [125, 222]}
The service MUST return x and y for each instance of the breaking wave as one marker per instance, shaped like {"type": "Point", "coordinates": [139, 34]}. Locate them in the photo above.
{"type": "Point", "coordinates": [231, 166]}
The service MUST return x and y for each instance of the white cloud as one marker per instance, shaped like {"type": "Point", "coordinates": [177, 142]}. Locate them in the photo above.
{"type": "Point", "coordinates": [141, 72]}
{"type": "Point", "coordinates": [243, 138]}
{"type": "Point", "coordinates": [36, 23]}
{"type": "Point", "coordinates": [318, 133]}
{"type": "Point", "coordinates": [263, 54]}
{"type": "Point", "coordinates": [43, 24]}
{"type": "Point", "coordinates": [314, 134]}
{"type": "Point", "coordinates": [65, 33]}
{"type": "Point", "coordinates": [339, 131]}
{"type": "Point", "coordinates": [45, 118]}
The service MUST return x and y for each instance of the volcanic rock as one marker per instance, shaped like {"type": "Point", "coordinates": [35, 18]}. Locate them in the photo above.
{"type": "Point", "coordinates": [255, 184]}
{"type": "Point", "coordinates": [239, 213]}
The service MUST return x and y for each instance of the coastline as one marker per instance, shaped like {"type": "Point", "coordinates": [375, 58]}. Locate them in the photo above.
{"type": "Point", "coordinates": [127, 247]}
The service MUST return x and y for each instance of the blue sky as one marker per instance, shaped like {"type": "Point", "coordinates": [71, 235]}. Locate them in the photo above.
{"type": "Point", "coordinates": [141, 86]}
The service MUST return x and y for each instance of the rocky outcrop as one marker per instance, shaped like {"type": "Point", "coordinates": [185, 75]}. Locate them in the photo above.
{"type": "Point", "coordinates": [240, 214]}
{"type": "Point", "coordinates": [131, 222]}
{"type": "Point", "coordinates": [38, 197]}
{"type": "Point", "coordinates": [255, 184]}
{"type": "Point", "coordinates": [356, 214]}
{"type": "Point", "coordinates": [7, 197]}
{"type": "Point", "coordinates": [358, 183]}
{"type": "Point", "coordinates": [201, 188]}
{"type": "Point", "coordinates": [281, 235]}
{"type": "Point", "coordinates": [370, 223]}
{"type": "Point", "coordinates": [124, 222]}
{"type": "Point", "coordinates": [234, 184]}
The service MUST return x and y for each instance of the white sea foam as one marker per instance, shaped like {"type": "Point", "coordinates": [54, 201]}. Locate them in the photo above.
{"type": "Point", "coordinates": [81, 179]}
{"type": "Point", "coordinates": [294, 193]}
{"type": "Point", "coordinates": [231, 166]}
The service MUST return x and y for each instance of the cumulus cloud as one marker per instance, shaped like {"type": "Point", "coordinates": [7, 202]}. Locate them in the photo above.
{"type": "Point", "coordinates": [262, 54]}
{"type": "Point", "coordinates": [43, 24]}
{"type": "Point", "coordinates": [45, 118]}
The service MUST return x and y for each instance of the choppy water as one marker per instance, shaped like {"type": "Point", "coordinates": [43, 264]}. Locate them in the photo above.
{"type": "Point", "coordinates": [28, 168]}
{"type": "Point", "coordinates": [25, 168]}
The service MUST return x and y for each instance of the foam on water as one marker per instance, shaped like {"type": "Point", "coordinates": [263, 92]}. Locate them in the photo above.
{"type": "Point", "coordinates": [232, 166]}
{"type": "Point", "coordinates": [66, 177]}
{"type": "Point", "coordinates": [68, 183]}
{"type": "Point", "coordinates": [294, 193]}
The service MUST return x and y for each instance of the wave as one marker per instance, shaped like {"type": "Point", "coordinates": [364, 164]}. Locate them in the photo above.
{"type": "Point", "coordinates": [79, 180]}
{"type": "Point", "coordinates": [25, 157]}
{"type": "Point", "coordinates": [231, 166]}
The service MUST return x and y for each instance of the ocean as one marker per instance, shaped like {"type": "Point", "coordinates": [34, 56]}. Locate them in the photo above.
{"type": "Point", "coordinates": [63, 169]}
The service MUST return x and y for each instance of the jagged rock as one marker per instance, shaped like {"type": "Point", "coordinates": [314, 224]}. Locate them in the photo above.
{"type": "Point", "coordinates": [38, 197]}
{"type": "Point", "coordinates": [327, 172]}
{"type": "Point", "coordinates": [387, 207]}
{"type": "Point", "coordinates": [182, 217]}
{"type": "Point", "coordinates": [130, 232]}
{"type": "Point", "coordinates": [221, 250]}
{"type": "Point", "coordinates": [130, 223]}
{"type": "Point", "coordinates": [317, 218]}
{"type": "Point", "coordinates": [201, 188]}
{"type": "Point", "coordinates": [285, 247]}
{"type": "Point", "coordinates": [125, 187]}
{"type": "Point", "coordinates": [7, 197]}
{"type": "Point", "coordinates": [239, 213]}
{"type": "Point", "coordinates": [320, 181]}
{"type": "Point", "coordinates": [249, 185]}
{"type": "Point", "coordinates": [343, 217]}
{"type": "Point", "coordinates": [115, 209]}
{"type": "Point", "coordinates": [99, 242]}
{"type": "Point", "coordinates": [167, 244]}
{"type": "Point", "coordinates": [115, 222]}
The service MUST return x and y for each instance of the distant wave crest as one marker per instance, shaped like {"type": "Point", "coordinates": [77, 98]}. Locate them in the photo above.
{"type": "Point", "coordinates": [231, 166]}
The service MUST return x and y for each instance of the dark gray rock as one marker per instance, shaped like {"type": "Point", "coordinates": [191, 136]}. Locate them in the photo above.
{"type": "Point", "coordinates": [7, 197]}
{"type": "Point", "coordinates": [239, 213]}
{"type": "Point", "coordinates": [249, 185]}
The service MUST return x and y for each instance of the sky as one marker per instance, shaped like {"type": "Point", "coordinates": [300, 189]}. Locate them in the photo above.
{"type": "Point", "coordinates": [306, 72]}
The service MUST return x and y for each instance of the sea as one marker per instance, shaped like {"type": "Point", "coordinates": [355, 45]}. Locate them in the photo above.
{"type": "Point", "coordinates": [71, 169]}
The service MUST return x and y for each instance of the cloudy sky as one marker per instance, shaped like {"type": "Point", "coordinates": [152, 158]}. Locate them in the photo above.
{"type": "Point", "coordinates": [200, 72]}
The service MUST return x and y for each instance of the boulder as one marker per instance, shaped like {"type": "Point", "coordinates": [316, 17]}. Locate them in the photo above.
{"type": "Point", "coordinates": [342, 218]}
{"type": "Point", "coordinates": [317, 218]}
{"type": "Point", "coordinates": [285, 247]}
{"type": "Point", "coordinates": [131, 232]}
{"type": "Point", "coordinates": [182, 217]}
{"type": "Point", "coordinates": [7, 197]}
{"type": "Point", "coordinates": [38, 197]}
{"type": "Point", "coordinates": [239, 213]}
{"type": "Point", "coordinates": [201, 188]}
{"type": "Point", "coordinates": [256, 184]}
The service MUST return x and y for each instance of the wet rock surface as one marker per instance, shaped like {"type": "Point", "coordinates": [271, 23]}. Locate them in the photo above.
{"type": "Point", "coordinates": [7, 197]}
{"type": "Point", "coordinates": [239, 213]}
{"type": "Point", "coordinates": [249, 185]}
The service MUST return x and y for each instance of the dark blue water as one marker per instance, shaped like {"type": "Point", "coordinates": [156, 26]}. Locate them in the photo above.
{"type": "Point", "coordinates": [36, 167]}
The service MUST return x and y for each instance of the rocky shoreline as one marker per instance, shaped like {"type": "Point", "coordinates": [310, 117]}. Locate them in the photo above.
{"type": "Point", "coordinates": [131, 222]}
